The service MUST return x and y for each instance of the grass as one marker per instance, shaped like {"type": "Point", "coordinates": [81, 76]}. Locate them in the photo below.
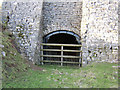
{"type": "Point", "coordinates": [96, 75]}
{"type": "Point", "coordinates": [17, 74]}
{"type": "Point", "coordinates": [13, 64]}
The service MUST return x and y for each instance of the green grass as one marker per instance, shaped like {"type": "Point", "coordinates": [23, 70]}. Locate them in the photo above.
{"type": "Point", "coordinates": [96, 75]}
{"type": "Point", "coordinates": [17, 74]}
{"type": "Point", "coordinates": [12, 63]}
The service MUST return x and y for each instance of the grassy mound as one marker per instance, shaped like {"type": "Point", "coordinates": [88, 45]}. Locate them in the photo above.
{"type": "Point", "coordinates": [12, 62]}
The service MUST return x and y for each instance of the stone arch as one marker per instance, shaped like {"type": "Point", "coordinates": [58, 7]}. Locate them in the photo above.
{"type": "Point", "coordinates": [66, 33]}
{"type": "Point", "coordinates": [61, 37]}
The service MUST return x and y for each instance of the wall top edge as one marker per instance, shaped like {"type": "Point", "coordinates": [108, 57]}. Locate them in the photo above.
{"type": "Point", "coordinates": [63, 0]}
{"type": "Point", "coordinates": [54, 0]}
{"type": "Point", "coordinates": [22, 0]}
{"type": "Point", "coordinates": [42, 0]}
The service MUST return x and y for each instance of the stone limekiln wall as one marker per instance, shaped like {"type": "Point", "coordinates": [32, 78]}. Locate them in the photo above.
{"type": "Point", "coordinates": [24, 22]}
{"type": "Point", "coordinates": [95, 21]}
{"type": "Point", "coordinates": [100, 30]}
{"type": "Point", "coordinates": [62, 16]}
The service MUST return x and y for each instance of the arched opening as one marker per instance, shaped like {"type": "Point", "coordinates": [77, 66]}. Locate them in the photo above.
{"type": "Point", "coordinates": [62, 37]}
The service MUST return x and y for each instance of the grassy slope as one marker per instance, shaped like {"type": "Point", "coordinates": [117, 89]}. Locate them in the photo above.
{"type": "Point", "coordinates": [13, 63]}
{"type": "Point", "coordinates": [16, 73]}
{"type": "Point", "coordinates": [100, 75]}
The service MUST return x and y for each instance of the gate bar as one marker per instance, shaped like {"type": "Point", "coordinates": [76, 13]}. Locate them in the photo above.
{"type": "Point", "coordinates": [61, 55]}
{"type": "Point", "coordinates": [52, 44]}
{"type": "Point", "coordinates": [61, 50]}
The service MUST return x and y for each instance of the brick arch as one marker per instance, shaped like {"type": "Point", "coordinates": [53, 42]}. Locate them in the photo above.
{"type": "Point", "coordinates": [47, 36]}
{"type": "Point", "coordinates": [71, 29]}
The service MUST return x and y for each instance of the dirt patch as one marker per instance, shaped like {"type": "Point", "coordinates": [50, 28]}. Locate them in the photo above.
{"type": "Point", "coordinates": [34, 67]}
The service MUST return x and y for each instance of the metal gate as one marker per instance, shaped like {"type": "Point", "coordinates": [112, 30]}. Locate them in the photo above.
{"type": "Point", "coordinates": [48, 48]}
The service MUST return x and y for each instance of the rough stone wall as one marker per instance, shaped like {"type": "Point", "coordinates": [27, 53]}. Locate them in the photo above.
{"type": "Point", "coordinates": [119, 31]}
{"type": "Point", "coordinates": [62, 16]}
{"type": "Point", "coordinates": [99, 30]}
{"type": "Point", "coordinates": [24, 22]}
{"type": "Point", "coordinates": [96, 21]}
{"type": "Point", "coordinates": [0, 47]}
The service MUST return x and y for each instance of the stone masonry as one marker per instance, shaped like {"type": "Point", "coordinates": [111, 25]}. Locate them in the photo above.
{"type": "Point", "coordinates": [62, 16]}
{"type": "Point", "coordinates": [99, 30]}
{"type": "Point", "coordinates": [24, 22]}
{"type": "Point", "coordinates": [95, 21]}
